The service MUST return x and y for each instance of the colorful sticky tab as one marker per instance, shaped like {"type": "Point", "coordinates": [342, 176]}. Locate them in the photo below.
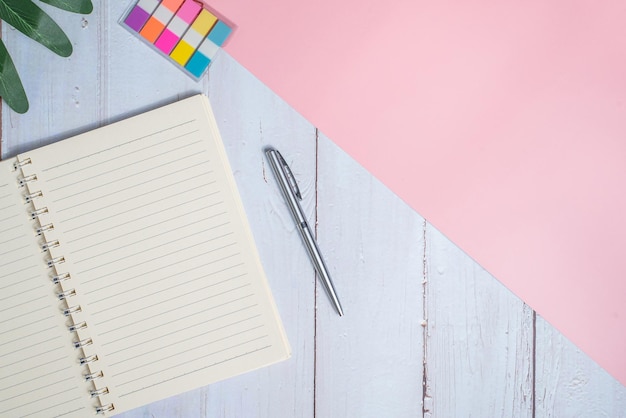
{"type": "Point", "coordinates": [140, 14]}
{"type": "Point", "coordinates": [186, 32]}
{"type": "Point", "coordinates": [219, 33]}
{"type": "Point", "coordinates": [189, 10]}
{"type": "Point", "coordinates": [177, 26]}
{"type": "Point", "coordinates": [201, 59]}
{"type": "Point", "coordinates": [161, 17]}
{"type": "Point", "coordinates": [192, 39]}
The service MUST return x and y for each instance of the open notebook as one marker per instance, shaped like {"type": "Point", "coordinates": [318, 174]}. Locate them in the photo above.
{"type": "Point", "coordinates": [128, 272]}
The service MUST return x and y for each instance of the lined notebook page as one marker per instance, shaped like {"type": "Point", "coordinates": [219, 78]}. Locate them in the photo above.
{"type": "Point", "coordinates": [155, 237]}
{"type": "Point", "coordinates": [38, 371]}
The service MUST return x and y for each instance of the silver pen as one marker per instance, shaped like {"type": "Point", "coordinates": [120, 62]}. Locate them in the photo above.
{"type": "Point", "coordinates": [291, 193]}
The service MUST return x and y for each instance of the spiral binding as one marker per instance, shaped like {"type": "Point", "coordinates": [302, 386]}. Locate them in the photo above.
{"type": "Point", "coordinates": [50, 244]}
{"type": "Point", "coordinates": [76, 327]}
{"type": "Point", "coordinates": [105, 408]}
{"type": "Point", "coordinates": [29, 197]}
{"type": "Point", "coordinates": [88, 359]}
{"type": "Point", "coordinates": [54, 262]}
{"type": "Point", "coordinates": [38, 212]}
{"type": "Point", "coordinates": [66, 294]}
{"type": "Point", "coordinates": [44, 228]}
{"type": "Point", "coordinates": [60, 278]}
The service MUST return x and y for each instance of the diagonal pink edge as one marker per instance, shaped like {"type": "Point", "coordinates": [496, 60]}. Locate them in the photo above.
{"type": "Point", "coordinates": [502, 123]}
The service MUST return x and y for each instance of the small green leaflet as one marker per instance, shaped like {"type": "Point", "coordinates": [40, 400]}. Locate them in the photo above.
{"type": "Point", "coordinates": [11, 89]}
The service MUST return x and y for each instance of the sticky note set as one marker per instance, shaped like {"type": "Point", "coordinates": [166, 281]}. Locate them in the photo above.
{"type": "Point", "coordinates": [187, 32]}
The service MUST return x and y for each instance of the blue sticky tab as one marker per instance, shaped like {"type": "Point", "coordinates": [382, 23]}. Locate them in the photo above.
{"type": "Point", "coordinates": [197, 64]}
{"type": "Point", "coordinates": [219, 33]}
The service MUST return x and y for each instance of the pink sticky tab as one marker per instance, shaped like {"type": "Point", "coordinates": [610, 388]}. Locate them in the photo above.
{"type": "Point", "coordinates": [166, 41]}
{"type": "Point", "coordinates": [189, 10]}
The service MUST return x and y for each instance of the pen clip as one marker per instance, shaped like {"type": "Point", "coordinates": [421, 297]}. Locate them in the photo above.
{"type": "Point", "coordinates": [290, 177]}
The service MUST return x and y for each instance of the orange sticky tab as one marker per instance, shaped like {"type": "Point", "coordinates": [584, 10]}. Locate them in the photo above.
{"type": "Point", "coordinates": [152, 30]}
{"type": "Point", "coordinates": [173, 5]}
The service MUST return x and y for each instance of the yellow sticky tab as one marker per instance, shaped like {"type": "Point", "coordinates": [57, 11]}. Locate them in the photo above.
{"type": "Point", "coordinates": [182, 53]}
{"type": "Point", "coordinates": [204, 22]}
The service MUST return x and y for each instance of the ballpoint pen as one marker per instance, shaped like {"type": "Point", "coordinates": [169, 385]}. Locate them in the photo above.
{"type": "Point", "coordinates": [291, 193]}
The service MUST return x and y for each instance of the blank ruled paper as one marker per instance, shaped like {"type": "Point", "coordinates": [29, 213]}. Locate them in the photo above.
{"type": "Point", "coordinates": [38, 375]}
{"type": "Point", "coordinates": [156, 240]}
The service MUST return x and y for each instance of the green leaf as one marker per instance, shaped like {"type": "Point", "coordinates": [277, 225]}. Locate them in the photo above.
{"type": "Point", "coordinates": [76, 6]}
{"type": "Point", "coordinates": [33, 22]}
{"type": "Point", "coordinates": [11, 89]}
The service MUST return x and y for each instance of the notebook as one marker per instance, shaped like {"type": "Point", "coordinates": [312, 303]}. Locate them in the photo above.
{"type": "Point", "coordinates": [128, 272]}
{"type": "Point", "coordinates": [501, 123]}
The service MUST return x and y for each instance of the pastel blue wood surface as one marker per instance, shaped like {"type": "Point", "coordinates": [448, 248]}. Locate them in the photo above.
{"type": "Point", "coordinates": [427, 332]}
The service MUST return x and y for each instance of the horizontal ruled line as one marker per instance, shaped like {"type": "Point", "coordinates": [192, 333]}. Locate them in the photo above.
{"type": "Point", "coordinates": [26, 336]}
{"type": "Point", "coordinates": [159, 189]}
{"type": "Point", "coordinates": [26, 325]}
{"type": "Point", "coordinates": [21, 292]}
{"type": "Point", "coordinates": [159, 303]}
{"type": "Point", "coordinates": [20, 282]}
{"type": "Point", "coordinates": [136, 208]}
{"type": "Point", "coordinates": [29, 346]}
{"type": "Point", "coordinates": [156, 258]}
{"type": "Point", "coordinates": [39, 399]}
{"type": "Point", "coordinates": [159, 246]}
{"type": "Point", "coordinates": [41, 387]}
{"type": "Point", "coordinates": [169, 128]}
{"type": "Point", "coordinates": [177, 216]}
{"type": "Point", "coordinates": [23, 303]}
{"type": "Point", "coordinates": [47, 306]}
{"type": "Point", "coordinates": [70, 412]}
{"type": "Point", "coordinates": [144, 319]}
{"type": "Point", "coordinates": [135, 174]}
{"type": "Point", "coordinates": [38, 354]}
{"type": "Point", "coordinates": [16, 260]}
{"type": "Point", "coordinates": [123, 166]}
{"type": "Point", "coordinates": [11, 228]}
{"type": "Point", "coordinates": [180, 330]}
{"type": "Point", "coordinates": [54, 406]}
{"type": "Point", "coordinates": [169, 277]}
{"type": "Point", "coordinates": [7, 207]}
{"type": "Point", "coordinates": [194, 371]}
{"type": "Point", "coordinates": [30, 368]}
{"type": "Point", "coordinates": [180, 352]}
{"type": "Point", "coordinates": [215, 318]}
{"type": "Point", "coordinates": [10, 218]}
{"type": "Point", "coordinates": [12, 239]}
{"type": "Point", "coordinates": [14, 249]}
{"type": "Point", "coordinates": [102, 196]}
{"type": "Point", "coordinates": [143, 239]}
{"type": "Point", "coordinates": [199, 358]}
{"type": "Point", "coordinates": [169, 289]}
{"type": "Point", "coordinates": [161, 268]}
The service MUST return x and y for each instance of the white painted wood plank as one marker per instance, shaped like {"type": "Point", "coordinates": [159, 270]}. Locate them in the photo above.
{"type": "Point", "coordinates": [479, 357]}
{"type": "Point", "coordinates": [369, 362]}
{"type": "Point", "coordinates": [569, 383]}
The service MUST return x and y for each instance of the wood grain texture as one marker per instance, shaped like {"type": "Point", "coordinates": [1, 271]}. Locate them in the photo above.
{"type": "Point", "coordinates": [479, 339]}
{"type": "Point", "coordinates": [567, 380]}
{"type": "Point", "coordinates": [427, 331]}
{"type": "Point", "coordinates": [369, 362]}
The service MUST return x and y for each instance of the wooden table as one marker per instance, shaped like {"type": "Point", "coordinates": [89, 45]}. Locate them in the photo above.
{"type": "Point", "coordinates": [427, 331]}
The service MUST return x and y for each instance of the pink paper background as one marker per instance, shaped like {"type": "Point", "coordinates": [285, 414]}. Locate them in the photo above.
{"type": "Point", "coordinates": [502, 123]}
